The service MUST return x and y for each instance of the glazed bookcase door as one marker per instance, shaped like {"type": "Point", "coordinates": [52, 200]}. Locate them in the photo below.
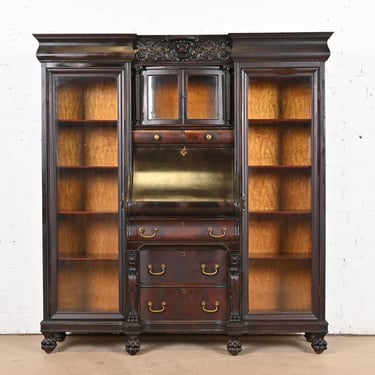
{"type": "Point", "coordinates": [183, 96]}
{"type": "Point", "coordinates": [84, 122]}
{"type": "Point", "coordinates": [280, 155]}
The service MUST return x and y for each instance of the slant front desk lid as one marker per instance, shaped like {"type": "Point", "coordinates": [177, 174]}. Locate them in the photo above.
{"type": "Point", "coordinates": [182, 179]}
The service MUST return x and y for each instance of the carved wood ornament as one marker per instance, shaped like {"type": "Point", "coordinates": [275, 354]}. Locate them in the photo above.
{"type": "Point", "coordinates": [182, 49]}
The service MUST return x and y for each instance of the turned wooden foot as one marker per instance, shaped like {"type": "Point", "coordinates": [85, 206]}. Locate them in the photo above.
{"type": "Point", "coordinates": [234, 346]}
{"type": "Point", "coordinates": [49, 343]}
{"type": "Point", "coordinates": [50, 340]}
{"type": "Point", "coordinates": [132, 345]}
{"type": "Point", "coordinates": [318, 343]}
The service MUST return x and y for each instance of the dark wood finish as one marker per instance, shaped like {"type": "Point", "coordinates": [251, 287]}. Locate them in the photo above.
{"type": "Point", "coordinates": [190, 224]}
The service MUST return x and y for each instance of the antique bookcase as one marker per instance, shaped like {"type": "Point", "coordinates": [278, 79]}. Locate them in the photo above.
{"type": "Point", "coordinates": [183, 185]}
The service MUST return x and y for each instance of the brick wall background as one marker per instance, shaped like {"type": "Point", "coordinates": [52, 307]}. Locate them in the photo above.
{"type": "Point", "coordinates": [350, 114]}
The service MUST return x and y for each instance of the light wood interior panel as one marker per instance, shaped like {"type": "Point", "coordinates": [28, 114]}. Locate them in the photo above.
{"type": "Point", "coordinates": [295, 192]}
{"type": "Point", "coordinates": [263, 99]}
{"type": "Point", "coordinates": [100, 100]}
{"type": "Point", "coordinates": [88, 236]}
{"type": "Point", "coordinates": [295, 98]}
{"type": "Point", "coordinates": [264, 189]}
{"type": "Point", "coordinates": [275, 235]}
{"type": "Point", "coordinates": [85, 286]}
{"type": "Point", "coordinates": [101, 145]}
{"type": "Point", "coordinates": [88, 190]}
{"type": "Point", "coordinates": [202, 98]}
{"type": "Point", "coordinates": [263, 145]}
{"type": "Point", "coordinates": [101, 193]}
{"type": "Point", "coordinates": [279, 286]}
{"type": "Point", "coordinates": [70, 101]}
{"type": "Point", "coordinates": [163, 98]}
{"type": "Point", "coordinates": [295, 145]}
{"type": "Point", "coordinates": [70, 145]}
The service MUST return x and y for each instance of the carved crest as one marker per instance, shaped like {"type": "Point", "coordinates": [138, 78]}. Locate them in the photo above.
{"type": "Point", "coordinates": [182, 50]}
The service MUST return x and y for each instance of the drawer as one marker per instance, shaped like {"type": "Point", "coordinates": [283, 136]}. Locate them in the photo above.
{"type": "Point", "coordinates": [203, 266]}
{"type": "Point", "coordinates": [183, 303]}
{"type": "Point", "coordinates": [175, 230]}
{"type": "Point", "coordinates": [163, 137]}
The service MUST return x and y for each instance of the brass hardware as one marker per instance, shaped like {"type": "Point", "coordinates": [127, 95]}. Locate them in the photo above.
{"type": "Point", "coordinates": [209, 137]}
{"type": "Point", "coordinates": [163, 304]}
{"type": "Point", "coordinates": [211, 233]}
{"type": "Point", "coordinates": [215, 272]}
{"type": "Point", "coordinates": [183, 291]}
{"type": "Point", "coordinates": [141, 232]}
{"type": "Point", "coordinates": [184, 151]}
{"type": "Point", "coordinates": [156, 137]}
{"type": "Point", "coordinates": [162, 272]}
{"type": "Point", "coordinates": [216, 309]}
{"type": "Point", "coordinates": [183, 253]}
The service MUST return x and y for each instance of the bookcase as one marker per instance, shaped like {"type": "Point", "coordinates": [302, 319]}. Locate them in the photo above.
{"type": "Point", "coordinates": [183, 185]}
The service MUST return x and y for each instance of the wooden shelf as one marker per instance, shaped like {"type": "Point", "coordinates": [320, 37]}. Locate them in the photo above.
{"type": "Point", "coordinates": [87, 259]}
{"type": "Point", "coordinates": [88, 212]}
{"type": "Point", "coordinates": [105, 167]}
{"type": "Point", "coordinates": [281, 167]}
{"type": "Point", "coordinates": [88, 122]}
{"type": "Point", "coordinates": [277, 257]}
{"type": "Point", "coordinates": [280, 121]}
{"type": "Point", "coordinates": [286, 212]}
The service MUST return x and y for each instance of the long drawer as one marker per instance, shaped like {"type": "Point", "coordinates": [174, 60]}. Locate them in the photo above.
{"type": "Point", "coordinates": [177, 230]}
{"type": "Point", "coordinates": [183, 265]}
{"type": "Point", "coordinates": [180, 303]}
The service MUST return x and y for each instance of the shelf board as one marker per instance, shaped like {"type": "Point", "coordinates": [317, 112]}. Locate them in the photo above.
{"type": "Point", "coordinates": [88, 259]}
{"type": "Point", "coordinates": [279, 121]}
{"type": "Point", "coordinates": [258, 166]}
{"type": "Point", "coordinates": [280, 212]}
{"type": "Point", "coordinates": [87, 167]}
{"type": "Point", "coordinates": [269, 256]}
{"type": "Point", "coordinates": [88, 122]}
{"type": "Point", "coordinates": [88, 212]}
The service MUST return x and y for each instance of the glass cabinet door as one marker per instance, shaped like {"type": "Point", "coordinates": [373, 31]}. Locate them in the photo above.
{"type": "Point", "coordinates": [184, 96]}
{"type": "Point", "coordinates": [204, 97]}
{"type": "Point", "coordinates": [87, 245]}
{"type": "Point", "coordinates": [163, 96]}
{"type": "Point", "coordinates": [279, 148]}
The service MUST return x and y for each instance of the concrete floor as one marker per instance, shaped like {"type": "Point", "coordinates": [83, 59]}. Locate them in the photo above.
{"type": "Point", "coordinates": [177, 355]}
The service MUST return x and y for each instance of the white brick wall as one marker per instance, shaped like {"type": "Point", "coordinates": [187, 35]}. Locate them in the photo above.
{"type": "Point", "coordinates": [350, 108]}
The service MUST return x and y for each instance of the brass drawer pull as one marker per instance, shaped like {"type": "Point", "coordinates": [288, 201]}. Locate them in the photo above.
{"type": "Point", "coordinates": [209, 137]}
{"type": "Point", "coordinates": [211, 233]}
{"type": "Point", "coordinates": [216, 309]}
{"type": "Point", "coordinates": [156, 137]}
{"type": "Point", "coordinates": [162, 272]}
{"type": "Point", "coordinates": [163, 304]}
{"type": "Point", "coordinates": [141, 232]}
{"type": "Point", "coordinates": [215, 272]}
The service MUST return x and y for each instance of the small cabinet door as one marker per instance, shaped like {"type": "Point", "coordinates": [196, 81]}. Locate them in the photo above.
{"type": "Point", "coordinates": [281, 257]}
{"type": "Point", "coordinates": [183, 96]}
{"type": "Point", "coordinates": [84, 179]}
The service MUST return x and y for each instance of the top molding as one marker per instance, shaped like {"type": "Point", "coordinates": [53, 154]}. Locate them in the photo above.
{"type": "Point", "coordinates": [154, 49]}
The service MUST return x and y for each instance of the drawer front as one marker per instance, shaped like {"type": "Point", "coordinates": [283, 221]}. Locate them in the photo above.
{"type": "Point", "coordinates": [175, 230]}
{"type": "Point", "coordinates": [183, 303]}
{"type": "Point", "coordinates": [163, 137]}
{"type": "Point", "coordinates": [183, 266]}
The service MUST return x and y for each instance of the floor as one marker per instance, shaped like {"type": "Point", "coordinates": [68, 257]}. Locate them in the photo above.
{"type": "Point", "coordinates": [177, 355]}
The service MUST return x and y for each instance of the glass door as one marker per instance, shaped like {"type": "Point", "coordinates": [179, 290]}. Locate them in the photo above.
{"type": "Point", "coordinates": [87, 219]}
{"type": "Point", "coordinates": [280, 220]}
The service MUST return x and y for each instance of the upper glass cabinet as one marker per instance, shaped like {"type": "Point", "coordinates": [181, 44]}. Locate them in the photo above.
{"type": "Point", "coordinates": [183, 96]}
